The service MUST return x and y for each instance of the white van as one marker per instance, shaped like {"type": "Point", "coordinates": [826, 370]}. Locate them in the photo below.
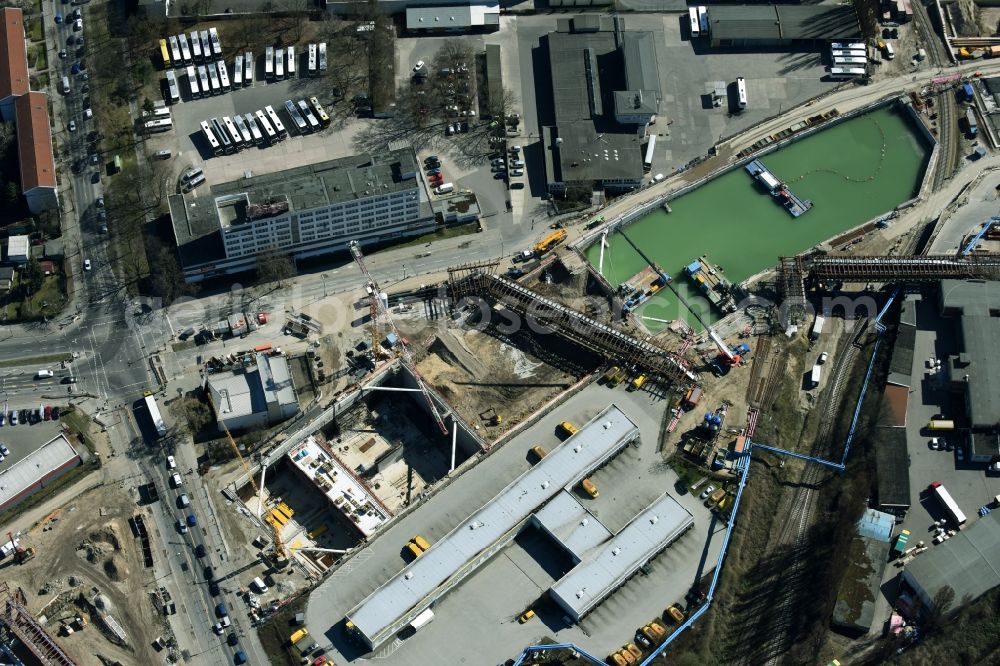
{"type": "Point", "coordinates": [184, 501]}
{"type": "Point", "coordinates": [176, 480]}
{"type": "Point", "coordinates": [444, 188]}
{"type": "Point", "coordinates": [65, 87]}
{"type": "Point", "coordinates": [43, 373]}
{"type": "Point", "coordinates": [259, 585]}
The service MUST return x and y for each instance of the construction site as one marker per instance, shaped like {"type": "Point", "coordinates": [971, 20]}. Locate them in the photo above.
{"type": "Point", "coordinates": [79, 588]}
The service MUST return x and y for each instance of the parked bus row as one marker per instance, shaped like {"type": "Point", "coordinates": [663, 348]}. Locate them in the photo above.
{"type": "Point", "coordinates": [307, 116]}
{"type": "Point", "coordinates": [232, 134]}
{"type": "Point", "coordinates": [213, 78]}
{"type": "Point", "coordinates": [180, 50]}
{"type": "Point", "coordinates": [281, 63]}
{"type": "Point", "coordinates": [698, 18]}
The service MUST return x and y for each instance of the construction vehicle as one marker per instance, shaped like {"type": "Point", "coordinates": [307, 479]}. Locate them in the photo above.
{"type": "Point", "coordinates": [491, 416]}
{"type": "Point", "coordinates": [638, 382]}
{"type": "Point", "coordinates": [550, 241]}
{"type": "Point", "coordinates": [589, 488]}
{"type": "Point", "coordinates": [21, 555]}
{"type": "Point", "coordinates": [280, 552]}
{"type": "Point", "coordinates": [612, 371]}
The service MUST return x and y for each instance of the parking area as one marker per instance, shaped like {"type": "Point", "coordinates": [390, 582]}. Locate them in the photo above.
{"type": "Point", "coordinates": [968, 483]}
{"type": "Point", "coordinates": [480, 616]}
{"type": "Point", "coordinates": [23, 439]}
{"type": "Point", "coordinates": [189, 148]}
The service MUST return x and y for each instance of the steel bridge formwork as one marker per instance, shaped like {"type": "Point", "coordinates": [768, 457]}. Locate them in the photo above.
{"type": "Point", "coordinates": [23, 624]}
{"type": "Point", "coordinates": [480, 281]}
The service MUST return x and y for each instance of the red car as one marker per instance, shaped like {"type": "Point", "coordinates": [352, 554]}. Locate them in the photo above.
{"type": "Point", "coordinates": [48, 412]}
{"type": "Point", "coordinates": [322, 659]}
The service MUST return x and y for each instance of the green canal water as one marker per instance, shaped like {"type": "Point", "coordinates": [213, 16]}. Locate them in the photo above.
{"type": "Point", "coordinates": [851, 172]}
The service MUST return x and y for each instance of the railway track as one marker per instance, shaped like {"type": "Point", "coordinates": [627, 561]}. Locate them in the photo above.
{"type": "Point", "coordinates": [947, 139]}
{"type": "Point", "coordinates": [778, 610]}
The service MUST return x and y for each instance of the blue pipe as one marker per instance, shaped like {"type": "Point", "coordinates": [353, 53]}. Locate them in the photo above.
{"type": "Point", "coordinates": [978, 237]}
{"type": "Point", "coordinates": [801, 456]}
{"type": "Point", "coordinates": [861, 399]}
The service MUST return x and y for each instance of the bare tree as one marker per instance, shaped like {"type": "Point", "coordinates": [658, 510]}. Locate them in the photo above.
{"type": "Point", "coordinates": [274, 266]}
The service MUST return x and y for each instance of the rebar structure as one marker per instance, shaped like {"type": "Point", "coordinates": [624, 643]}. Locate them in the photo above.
{"type": "Point", "coordinates": [23, 624]}
{"type": "Point", "coordinates": [471, 280]}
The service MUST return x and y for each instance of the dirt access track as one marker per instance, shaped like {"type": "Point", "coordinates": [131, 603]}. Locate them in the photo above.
{"type": "Point", "coordinates": [483, 377]}
{"type": "Point", "coordinates": [88, 564]}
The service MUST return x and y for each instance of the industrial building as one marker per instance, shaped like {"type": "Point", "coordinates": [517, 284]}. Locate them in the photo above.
{"type": "Point", "coordinates": [769, 26]}
{"type": "Point", "coordinates": [460, 18]}
{"type": "Point", "coordinates": [606, 91]}
{"type": "Point", "coordinates": [306, 211]}
{"type": "Point", "coordinates": [854, 610]}
{"type": "Point", "coordinates": [423, 582]}
{"type": "Point", "coordinates": [257, 392]}
{"type": "Point", "coordinates": [974, 371]}
{"type": "Point", "coordinates": [608, 564]}
{"type": "Point", "coordinates": [37, 470]}
{"type": "Point", "coordinates": [955, 572]}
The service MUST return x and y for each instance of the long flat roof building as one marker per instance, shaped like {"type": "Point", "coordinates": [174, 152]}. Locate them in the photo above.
{"type": "Point", "coordinates": [780, 25]}
{"type": "Point", "coordinates": [604, 569]}
{"type": "Point", "coordinates": [13, 61]}
{"type": "Point", "coordinates": [305, 211]}
{"type": "Point", "coordinates": [36, 470]}
{"type": "Point", "coordinates": [458, 18]}
{"type": "Point", "coordinates": [421, 583]}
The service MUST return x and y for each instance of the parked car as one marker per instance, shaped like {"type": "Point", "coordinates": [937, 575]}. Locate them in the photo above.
{"type": "Point", "coordinates": [4, 450]}
{"type": "Point", "coordinates": [86, 264]}
{"type": "Point", "coordinates": [13, 418]}
{"type": "Point", "coordinates": [934, 444]}
{"type": "Point", "coordinates": [419, 66]}
{"type": "Point", "coordinates": [707, 491]}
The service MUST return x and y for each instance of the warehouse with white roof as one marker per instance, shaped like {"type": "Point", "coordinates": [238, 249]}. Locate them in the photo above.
{"type": "Point", "coordinates": [473, 542]}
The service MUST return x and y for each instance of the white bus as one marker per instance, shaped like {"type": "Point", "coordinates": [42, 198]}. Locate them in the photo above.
{"type": "Point", "coordinates": [195, 45]}
{"type": "Point", "coordinates": [159, 125]}
{"type": "Point", "coordinates": [848, 46]}
{"type": "Point", "coordinates": [279, 63]}
{"type": "Point", "coordinates": [647, 163]}
{"type": "Point", "coordinates": [223, 75]}
{"type": "Point", "coordinates": [222, 135]}
{"type": "Point", "coordinates": [322, 57]}
{"type": "Point", "coordinates": [210, 138]}
{"type": "Point", "coordinates": [293, 113]}
{"type": "Point", "coordinates": [238, 72]}
{"type": "Point", "coordinates": [308, 115]}
{"type": "Point", "coordinates": [172, 89]}
{"type": "Point", "coordinates": [158, 112]}
{"type": "Point", "coordinates": [312, 60]}
{"type": "Point", "coordinates": [185, 50]}
{"type": "Point", "coordinates": [234, 134]}
{"type": "Point", "coordinates": [252, 125]}
{"type": "Point", "coordinates": [213, 35]}
{"type": "Point", "coordinates": [203, 78]}
{"type": "Point", "coordinates": [262, 120]}
{"type": "Point", "coordinates": [213, 76]}
{"type": "Point", "coordinates": [192, 74]}
{"type": "Point", "coordinates": [842, 53]}
{"type": "Point", "coordinates": [248, 68]}
{"type": "Point", "coordinates": [741, 92]}
{"type": "Point", "coordinates": [154, 414]}
{"type": "Point", "coordinates": [846, 72]}
{"type": "Point", "coordinates": [279, 127]}
{"type": "Point", "coordinates": [695, 22]}
{"type": "Point", "coordinates": [703, 19]}
{"type": "Point", "coordinates": [244, 130]}
{"type": "Point", "coordinates": [206, 46]}
{"type": "Point", "coordinates": [269, 63]}
{"type": "Point", "coordinates": [291, 61]}
{"type": "Point", "coordinates": [175, 50]}
{"type": "Point", "coordinates": [849, 62]}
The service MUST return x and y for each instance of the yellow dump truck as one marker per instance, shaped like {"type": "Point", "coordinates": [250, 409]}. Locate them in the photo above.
{"type": "Point", "coordinates": [638, 382]}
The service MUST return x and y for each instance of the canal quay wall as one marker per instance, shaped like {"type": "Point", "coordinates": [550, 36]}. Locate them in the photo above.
{"type": "Point", "coordinates": [640, 211]}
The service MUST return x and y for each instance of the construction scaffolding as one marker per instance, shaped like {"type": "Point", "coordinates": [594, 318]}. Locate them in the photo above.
{"type": "Point", "coordinates": [480, 281]}
{"type": "Point", "coordinates": [22, 624]}
{"type": "Point", "coordinates": [793, 272]}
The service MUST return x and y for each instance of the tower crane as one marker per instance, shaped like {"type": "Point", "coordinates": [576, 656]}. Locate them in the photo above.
{"type": "Point", "coordinates": [279, 544]}
{"type": "Point", "coordinates": [379, 308]}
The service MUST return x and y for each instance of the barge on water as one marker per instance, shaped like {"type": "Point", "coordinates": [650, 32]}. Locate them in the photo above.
{"type": "Point", "coordinates": [709, 282]}
{"type": "Point", "coordinates": [778, 190]}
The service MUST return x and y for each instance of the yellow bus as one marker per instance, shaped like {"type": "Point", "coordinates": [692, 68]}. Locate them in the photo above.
{"type": "Point", "coordinates": [165, 54]}
{"type": "Point", "coordinates": [941, 424]}
{"type": "Point", "coordinates": [323, 118]}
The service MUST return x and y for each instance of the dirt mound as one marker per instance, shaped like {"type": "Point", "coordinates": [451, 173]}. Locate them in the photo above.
{"type": "Point", "coordinates": [106, 536]}
{"type": "Point", "coordinates": [115, 568]}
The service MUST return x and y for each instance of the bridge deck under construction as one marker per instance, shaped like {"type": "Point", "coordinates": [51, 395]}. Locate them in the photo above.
{"type": "Point", "coordinates": [478, 280]}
